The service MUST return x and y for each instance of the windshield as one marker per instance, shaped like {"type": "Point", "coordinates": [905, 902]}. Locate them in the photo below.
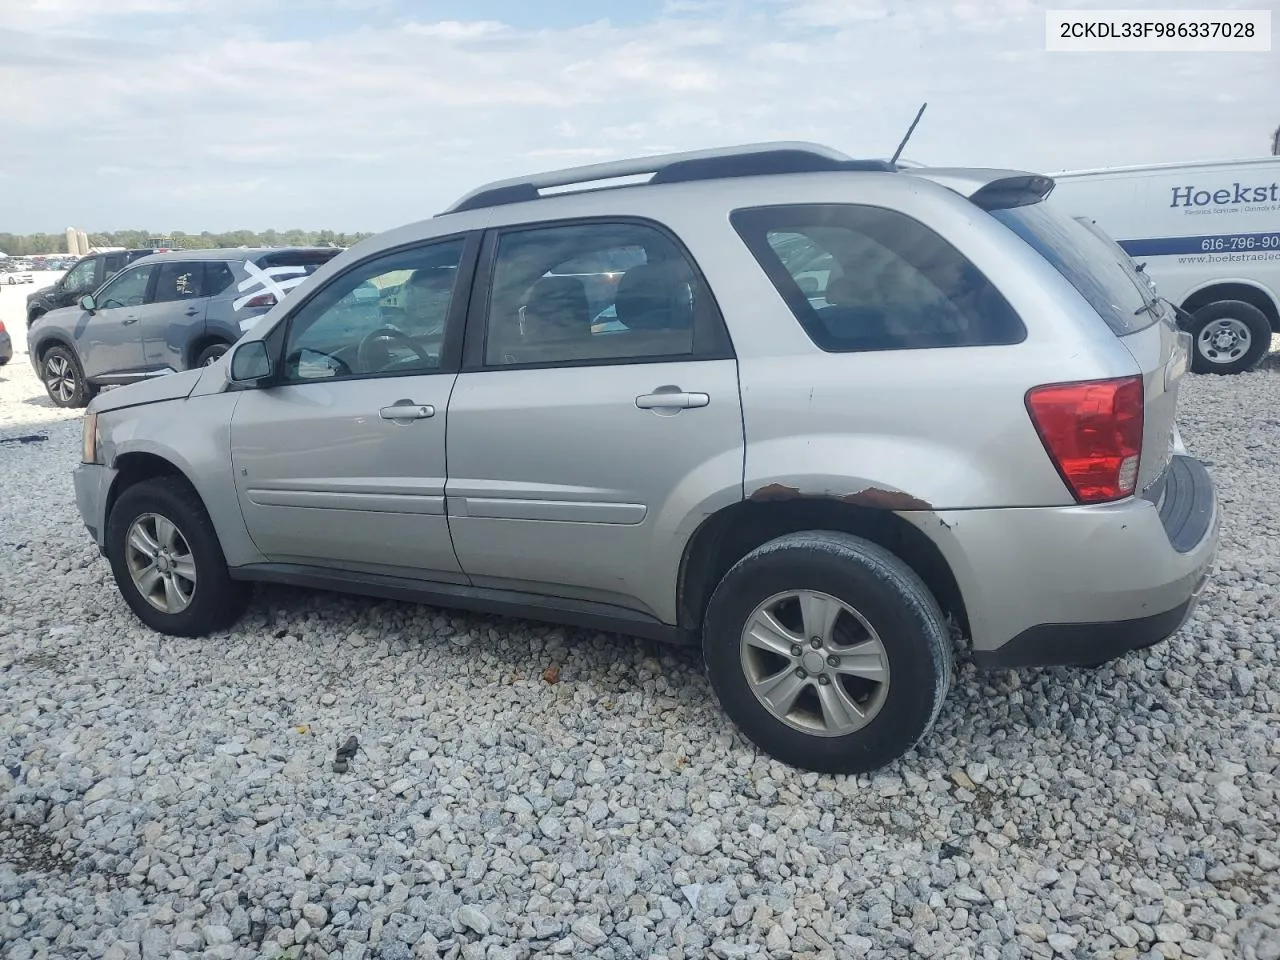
{"type": "Point", "coordinates": [1079, 255]}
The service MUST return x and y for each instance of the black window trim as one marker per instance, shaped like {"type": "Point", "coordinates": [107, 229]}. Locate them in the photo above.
{"type": "Point", "coordinates": [451, 346]}
{"type": "Point", "coordinates": [798, 303]}
{"type": "Point", "coordinates": [707, 310]}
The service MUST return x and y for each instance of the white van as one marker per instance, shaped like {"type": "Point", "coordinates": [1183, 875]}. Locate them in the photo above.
{"type": "Point", "coordinates": [1208, 234]}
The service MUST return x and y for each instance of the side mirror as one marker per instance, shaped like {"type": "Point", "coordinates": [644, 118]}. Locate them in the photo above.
{"type": "Point", "coordinates": [250, 362]}
{"type": "Point", "coordinates": [87, 303]}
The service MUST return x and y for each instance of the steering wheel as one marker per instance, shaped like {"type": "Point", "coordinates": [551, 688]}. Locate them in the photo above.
{"type": "Point", "coordinates": [364, 351]}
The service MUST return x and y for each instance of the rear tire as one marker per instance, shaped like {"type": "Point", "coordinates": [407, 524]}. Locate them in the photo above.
{"type": "Point", "coordinates": [64, 378]}
{"type": "Point", "coordinates": [864, 629]}
{"type": "Point", "coordinates": [211, 353]}
{"type": "Point", "coordinates": [167, 561]}
{"type": "Point", "coordinates": [1228, 336]}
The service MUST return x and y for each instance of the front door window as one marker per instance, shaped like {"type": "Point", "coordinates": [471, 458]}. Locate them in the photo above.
{"type": "Point", "coordinates": [128, 289]}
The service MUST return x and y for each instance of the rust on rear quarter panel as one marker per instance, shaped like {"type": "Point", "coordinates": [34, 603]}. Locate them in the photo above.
{"type": "Point", "coordinates": [870, 497]}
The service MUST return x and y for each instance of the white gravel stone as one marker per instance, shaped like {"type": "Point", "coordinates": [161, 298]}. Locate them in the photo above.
{"type": "Point", "coordinates": [161, 796]}
{"type": "Point", "coordinates": [701, 840]}
{"type": "Point", "coordinates": [588, 931]}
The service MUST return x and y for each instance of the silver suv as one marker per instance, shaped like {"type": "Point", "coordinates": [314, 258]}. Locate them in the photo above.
{"type": "Point", "coordinates": [840, 411]}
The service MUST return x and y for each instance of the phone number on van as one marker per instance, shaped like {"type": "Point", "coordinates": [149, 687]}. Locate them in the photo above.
{"type": "Point", "coordinates": [1244, 241]}
{"type": "Point", "coordinates": [1223, 243]}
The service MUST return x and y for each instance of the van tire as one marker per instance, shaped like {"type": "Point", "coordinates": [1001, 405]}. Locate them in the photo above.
{"type": "Point", "coordinates": [872, 587]}
{"type": "Point", "coordinates": [1228, 336]}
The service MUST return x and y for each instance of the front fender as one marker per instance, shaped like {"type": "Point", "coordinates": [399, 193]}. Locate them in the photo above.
{"type": "Point", "coordinates": [193, 435]}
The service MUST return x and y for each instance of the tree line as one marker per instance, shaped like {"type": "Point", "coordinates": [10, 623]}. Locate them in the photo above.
{"type": "Point", "coordinates": [31, 244]}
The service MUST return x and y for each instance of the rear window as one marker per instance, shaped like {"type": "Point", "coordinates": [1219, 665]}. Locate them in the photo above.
{"type": "Point", "coordinates": [1085, 261]}
{"type": "Point", "coordinates": [866, 278]}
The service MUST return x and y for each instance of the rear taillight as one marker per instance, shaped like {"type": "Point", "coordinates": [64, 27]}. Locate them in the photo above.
{"type": "Point", "coordinates": [1, 326]}
{"type": "Point", "coordinates": [262, 300]}
{"type": "Point", "coordinates": [1093, 434]}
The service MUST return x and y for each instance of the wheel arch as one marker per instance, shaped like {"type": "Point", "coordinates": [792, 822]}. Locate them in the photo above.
{"type": "Point", "coordinates": [1247, 291]}
{"type": "Point", "coordinates": [50, 341]}
{"type": "Point", "coordinates": [733, 532]}
{"type": "Point", "coordinates": [136, 466]}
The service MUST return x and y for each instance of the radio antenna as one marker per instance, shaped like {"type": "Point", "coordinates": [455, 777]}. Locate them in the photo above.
{"type": "Point", "coordinates": [919, 113]}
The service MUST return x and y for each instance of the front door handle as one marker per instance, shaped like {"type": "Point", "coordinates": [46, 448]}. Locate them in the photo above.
{"type": "Point", "coordinates": [191, 313]}
{"type": "Point", "coordinates": [407, 410]}
{"type": "Point", "coordinates": [128, 320]}
{"type": "Point", "coordinates": [672, 400]}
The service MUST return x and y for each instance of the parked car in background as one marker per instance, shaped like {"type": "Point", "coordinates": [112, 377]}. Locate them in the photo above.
{"type": "Point", "coordinates": [6, 345]}
{"type": "Point", "coordinates": [976, 428]}
{"type": "Point", "coordinates": [163, 313]}
{"type": "Point", "coordinates": [88, 274]}
{"type": "Point", "coordinates": [15, 276]}
{"type": "Point", "coordinates": [1207, 233]}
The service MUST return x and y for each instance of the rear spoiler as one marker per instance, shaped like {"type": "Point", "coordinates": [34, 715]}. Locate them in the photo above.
{"type": "Point", "coordinates": [990, 189]}
{"type": "Point", "coordinates": [1013, 192]}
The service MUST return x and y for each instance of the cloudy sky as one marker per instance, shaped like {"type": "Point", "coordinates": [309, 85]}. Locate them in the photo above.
{"type": "Point", "coordinates": [363, 114]}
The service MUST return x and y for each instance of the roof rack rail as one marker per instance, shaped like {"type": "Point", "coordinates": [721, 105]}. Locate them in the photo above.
{"type": "Point", "coordinates": [749, 160]}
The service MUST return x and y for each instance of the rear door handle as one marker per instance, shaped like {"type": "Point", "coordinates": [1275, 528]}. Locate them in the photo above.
{"type": "Point", "coordinates": [672, 401]}
{"type": "Point", "coordinates": [192, 312]}
{"type": "Point", "coordinates": [407, 410]}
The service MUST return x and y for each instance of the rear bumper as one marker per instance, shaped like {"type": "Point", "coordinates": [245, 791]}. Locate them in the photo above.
{"type": "Point", "coordinates": [1082, 584]}
{"type": "Point", "coordinates": [1083, 644]}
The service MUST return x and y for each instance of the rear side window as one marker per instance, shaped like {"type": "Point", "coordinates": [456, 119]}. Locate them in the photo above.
{"type": "Point", "coordinates": [217, 277]}
{"type": "Point", "coordinates": [1085, 261]}
{"type": "Point", "coordinates": [866, 278]}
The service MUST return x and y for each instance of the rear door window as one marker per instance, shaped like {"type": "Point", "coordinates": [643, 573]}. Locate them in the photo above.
{"type": "Point", "coordinates": [179, 281]}
{"type": "Point", "coordinates": [1084, 260]}
{"type": "Point", "coordinates": [866, 278]}
{"type": "Point", "coordinates": [597, 293]}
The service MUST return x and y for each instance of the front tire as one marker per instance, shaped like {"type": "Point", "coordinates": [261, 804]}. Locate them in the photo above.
{"type": "Point", "coordinates": [1229, 336]}
{"type": "Point", "coordinates": [167, 561]}
{"type": "Point", "coordinates": [64, 378]}
{"type": "Point", "coordinates": [828, 652]}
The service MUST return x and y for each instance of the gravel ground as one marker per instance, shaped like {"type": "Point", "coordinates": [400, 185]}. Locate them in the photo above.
{"type": "Point", "coordinates": [175, 798]}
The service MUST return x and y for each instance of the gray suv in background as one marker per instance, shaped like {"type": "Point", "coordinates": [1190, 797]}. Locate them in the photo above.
{"type": "Point", "coordinates": [84, 276]}
{"type": "Point", "coordinates": [841, 412]}
{"type": "Point", "coordinates": [163, 313]}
